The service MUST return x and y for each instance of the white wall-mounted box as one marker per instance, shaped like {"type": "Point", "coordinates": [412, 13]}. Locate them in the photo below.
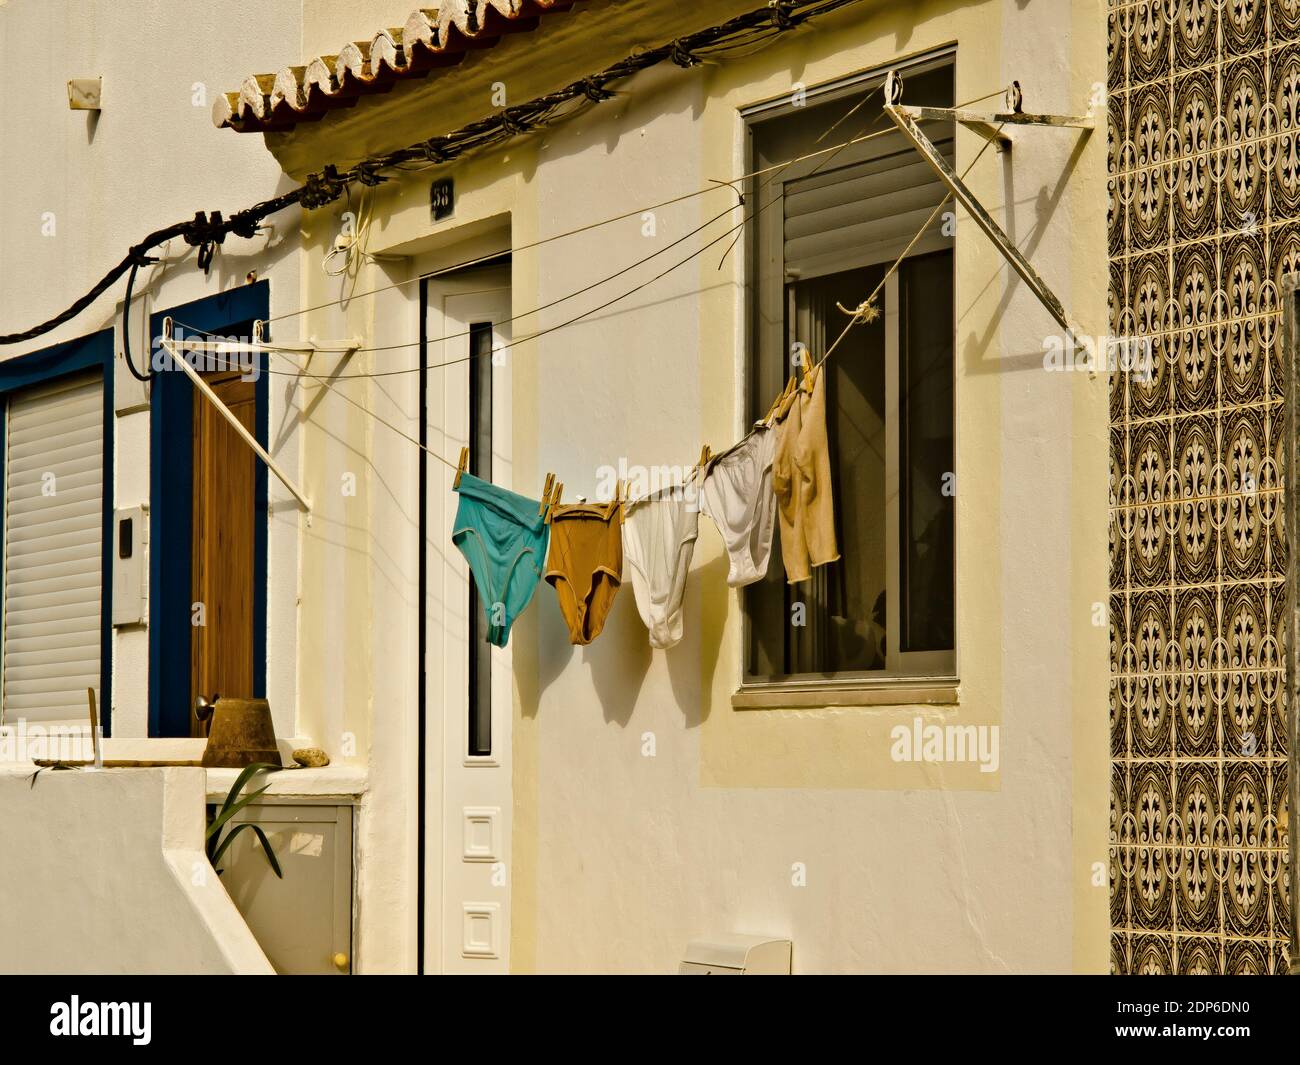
{"type": "Point", "coordinates": [130, 549]}
{"type": "Point", "coordinates": [732, 954]}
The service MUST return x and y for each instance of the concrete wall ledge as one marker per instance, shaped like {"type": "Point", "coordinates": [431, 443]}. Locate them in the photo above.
{"type": "Point", "coordinates": [104, 872]}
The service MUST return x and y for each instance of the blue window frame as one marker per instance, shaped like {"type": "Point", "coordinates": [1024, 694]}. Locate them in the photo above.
{"type": "Point", "coordinates": [171, 494]}
{"type": "Point", "coordinates": [41, 367]}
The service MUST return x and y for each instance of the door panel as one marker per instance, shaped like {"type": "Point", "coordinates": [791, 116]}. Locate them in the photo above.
{"type": "Point", "coordinates": [302, 921]}
{"type": "Point", "coordinates": [468, 682]}
{"type": "Point", "coordinates": [224, 545]}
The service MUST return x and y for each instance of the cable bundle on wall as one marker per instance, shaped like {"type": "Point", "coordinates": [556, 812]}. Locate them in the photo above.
{"type": "Point", "coordinates": [206, 232]}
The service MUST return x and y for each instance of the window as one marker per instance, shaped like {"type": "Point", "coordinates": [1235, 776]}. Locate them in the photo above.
{"type": "Point", "coordinates": [480, 465]}
{"type": "Point", "coordinates": [53, 550]}
{"type": "Point", "coordinates": [837, 221]}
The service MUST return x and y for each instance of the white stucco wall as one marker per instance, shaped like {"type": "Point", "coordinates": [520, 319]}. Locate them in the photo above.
{"type": "Point", "coordinates": [105, 873]}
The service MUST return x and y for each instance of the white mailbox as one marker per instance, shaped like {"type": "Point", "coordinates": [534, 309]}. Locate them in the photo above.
{"type": "Point", "coordinates": [736, 955]}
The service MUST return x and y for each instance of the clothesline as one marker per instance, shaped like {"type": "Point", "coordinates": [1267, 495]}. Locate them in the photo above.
{"type": "Point", "coordinates": [714, 186]}
{"type": "Point", "coordinates": [779, 470]}
{"type": "Point", "coordinates": [779, 474]}
{"type": "Point", "coordinates": [742, 490]}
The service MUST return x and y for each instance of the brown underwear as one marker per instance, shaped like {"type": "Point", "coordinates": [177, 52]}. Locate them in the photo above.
{"type": "Point", "coordinates": [585, 565]}
{"type": "Point", "coordinates": [801, 479]}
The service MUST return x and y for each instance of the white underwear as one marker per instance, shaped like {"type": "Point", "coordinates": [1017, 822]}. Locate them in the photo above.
{"type": "Point", "coordinates": [658, 541]}
{"type": "Point", "coordinates": [737, 495]}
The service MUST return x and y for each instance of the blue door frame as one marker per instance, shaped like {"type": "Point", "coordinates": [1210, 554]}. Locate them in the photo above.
{"type": "Point", "coordinates": [171, 496]}
{"type": "Point", "coordinates": [41, 367]}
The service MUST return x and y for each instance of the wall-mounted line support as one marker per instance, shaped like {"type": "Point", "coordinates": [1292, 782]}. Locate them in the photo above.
{"type": "Point", "coordinates": [905, 118]}
{"type": "Point", "coordinates": [169, 345]}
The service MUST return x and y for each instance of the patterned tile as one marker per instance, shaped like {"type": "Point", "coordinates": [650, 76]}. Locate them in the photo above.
{"type": "Point", "coordinates": [1204, 224]}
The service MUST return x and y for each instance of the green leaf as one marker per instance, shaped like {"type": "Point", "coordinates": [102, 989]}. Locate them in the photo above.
{"type": "Point", "coordinates": [228, 811]}
{"type": "Point", "coordinates": [266, 849]}
{"type": "Point", "coordinates": [230, 838]}
{"type": "Point", "coordinates": [243, 779]}
{"type": "Point", "coordinates": [213, 843]}
{"type": "Point", "coordinates": [257, 831]}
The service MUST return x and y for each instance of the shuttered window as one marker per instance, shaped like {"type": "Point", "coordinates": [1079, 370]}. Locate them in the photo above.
{"type": "Point", "coordinates": [53, 528]}
{"type": "Point", "coordinates": [864, 210]}
{"type": "Point", "coordinates": [840, 218]}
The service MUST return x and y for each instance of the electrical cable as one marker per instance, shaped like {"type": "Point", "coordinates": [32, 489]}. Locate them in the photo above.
{"type": "Point", "coordinates": [536, 310]}
{"type": "Point", "coordinates": [147, 376]}
{"type": "Point", "coordinates": [329, 383]}
{"type": "Point", "coordinates": [635, 212]}
{"type": "Point", "coordinates": [208, 231]}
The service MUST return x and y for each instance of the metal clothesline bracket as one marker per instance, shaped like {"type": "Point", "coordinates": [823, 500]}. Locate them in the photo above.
{"type": "Point", "coordinates": [169, 345]}
{"type": "Point", "coordinates": [906, 119]}
{"type": "Point", "coordinates": [307, 347]}
{"type": "Point", "coordinates": [986, 123]}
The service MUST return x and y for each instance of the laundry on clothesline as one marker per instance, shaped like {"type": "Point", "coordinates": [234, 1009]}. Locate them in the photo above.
{"type": "Point", "coordinates": [736, 493]}
{"type": "Point", "coordinates": [801, 477]}
{"type": "Point", "coordinates": [778, 474]}
{"type": "Point", "coordinates": [503, 537]}
{"type": "Point", "coordinates": [659, 532]}
{"type": "Point", "coordinates": [585, 564]}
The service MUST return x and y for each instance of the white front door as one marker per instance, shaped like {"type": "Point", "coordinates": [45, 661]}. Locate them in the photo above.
{"type": "Point", "coordinates": [468, 686]}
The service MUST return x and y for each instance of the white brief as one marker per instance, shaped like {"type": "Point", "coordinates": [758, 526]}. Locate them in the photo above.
{"type": "Point", "coordinates": [658, 541]}
{"type": "Point", "coordinates": [737, 495]}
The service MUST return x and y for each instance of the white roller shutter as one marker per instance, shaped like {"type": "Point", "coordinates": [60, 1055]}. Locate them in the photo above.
{"type": "Point", "coordinates": [53, 528]}
{"type": "Point", "coordinates": [864, 207]}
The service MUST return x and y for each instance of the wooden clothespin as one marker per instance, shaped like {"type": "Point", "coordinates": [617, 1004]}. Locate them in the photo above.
{"type": "Point", "coordinates": [554, 500]}
{"type": "Point", "coordinates": [461, 467]}
{"type": "Point", "coordinates": [546, 493]}
{"type": "Point", "coordinates": [620, 496]}
{"type": "Point", "coordinates": [706, 453]}
{"type": "Point", "coordinates": [776, 403]}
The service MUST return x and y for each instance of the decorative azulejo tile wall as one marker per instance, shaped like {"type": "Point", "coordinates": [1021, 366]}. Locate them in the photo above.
{"type": "Point", "coordinates": [1204, 215]}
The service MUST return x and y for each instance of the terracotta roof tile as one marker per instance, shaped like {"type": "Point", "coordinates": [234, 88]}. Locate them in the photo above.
{"type": "Point", "coordinates": [431, 38]}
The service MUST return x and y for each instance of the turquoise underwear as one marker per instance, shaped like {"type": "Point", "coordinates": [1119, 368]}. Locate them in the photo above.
{"type": "Point", "coordinates": [504, 539]}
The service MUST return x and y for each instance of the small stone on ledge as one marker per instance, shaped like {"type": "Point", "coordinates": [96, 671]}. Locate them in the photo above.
{"type": "Point", "coordinates": [311, 757]}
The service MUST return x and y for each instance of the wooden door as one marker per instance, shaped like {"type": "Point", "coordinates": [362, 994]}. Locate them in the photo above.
{"type": "Point", "coordinates": [222, 570]}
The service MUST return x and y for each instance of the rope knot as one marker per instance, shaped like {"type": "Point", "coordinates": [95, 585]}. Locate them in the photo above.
{"type": "Point", "coordinates": [514, 123]}
{"type": "Point", "coordinates": [864, 312]}
{"type": "Point", "coordinates": [594, 91]}
{"type": "Point", "coordinates": [433, 152]}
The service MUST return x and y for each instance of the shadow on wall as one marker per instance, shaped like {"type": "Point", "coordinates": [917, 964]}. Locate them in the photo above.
{"type": "Point", "coordinates": [621, 656]}
{"type": "Point", "coordinates": [976, 347]}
